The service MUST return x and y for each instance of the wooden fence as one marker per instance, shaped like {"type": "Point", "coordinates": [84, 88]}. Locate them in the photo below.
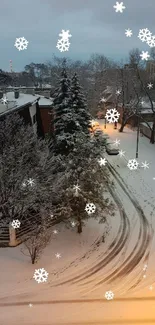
{"type": "Point", "coordinates": [10, 237]}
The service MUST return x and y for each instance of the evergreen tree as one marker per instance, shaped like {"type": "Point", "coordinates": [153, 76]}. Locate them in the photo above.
{"type": "Point", "coordinates": [79, 105]}
{"type": "Point", "coordinates": [64, 120]}
{"type": "Point", "coordinates": [81, 168]}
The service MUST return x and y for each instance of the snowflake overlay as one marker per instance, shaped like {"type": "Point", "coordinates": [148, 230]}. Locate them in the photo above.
{"type": "Point", "coordinates": [4, 100]}
{"type": "Point", "coordinates": [132, 164]}
{"type": "Point", "coordinates": [15, 224]}
{"type": "Point", "coordinates": [151, 41]}
{"type": "Point", "coordinates": [40, 275]}
{"type": "Point", "coordinates": [102, 161]}
{"type": "Point", "coordinates": [63, 43]}
{"type": "Point", "coordinates": [21, 43]}
{"type": "Point", "coordinates": [65, 35]}
{"type": "Point", "coordinates": [145, 55]}
{"type": "Point", "coordinates": [121, 153]}
{"type": "Point", "coordinates": [144, 34]}
{"type": "Point", "coordinates": [150, 85]}
{"type": "Point", "coordinates": [112, 115]}
{"type": "Point", "coordinates": [109, 295]}
{"type": "Point", "coordinates": [145, 165]}
{"type": "Point", "coordinates": [128, 32]}
{"type": "Point", "coordinates": [119, 7]}
{"type": "Point", "coordinates": [90, 208]}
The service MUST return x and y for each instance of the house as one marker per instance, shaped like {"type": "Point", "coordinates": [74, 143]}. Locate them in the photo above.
{"type": "Point", "coordinates": [26, 105]}
{"type": "Point", "coordinates": [144, 110]}
{"type": "Point", "coordinates": [145, 129]}
{"type": "Point", "coordinates": [46, 113]}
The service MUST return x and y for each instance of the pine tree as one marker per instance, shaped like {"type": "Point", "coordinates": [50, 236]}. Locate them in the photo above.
{"type": "Point", "coordinates": [81, 168]}
{"type": "Point", "coordinates": [64, 121]}
{"type": "Point", "coordinates": [79, 105]}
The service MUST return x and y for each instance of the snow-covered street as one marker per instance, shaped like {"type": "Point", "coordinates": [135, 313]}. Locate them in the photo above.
{"type": "Point", "coordinates": [93, 263]}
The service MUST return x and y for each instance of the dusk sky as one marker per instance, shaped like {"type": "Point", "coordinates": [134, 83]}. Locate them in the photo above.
{"type": "Point", "coordinates": [94, 25]}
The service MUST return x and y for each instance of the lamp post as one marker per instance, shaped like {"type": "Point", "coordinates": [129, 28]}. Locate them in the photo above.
{"type": "Point", "coordinates": [104, 116]}
{"type": "Point", "coordinates": [138, 129]}
{"type": "Point", "coordinates": [105, 122]}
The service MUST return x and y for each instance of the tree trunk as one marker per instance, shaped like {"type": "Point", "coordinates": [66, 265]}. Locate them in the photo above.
{"type": "Point", "coordinates": [152, 133]}
{"type": "Point", "coordinates": [79, 229]}
{"type": "Point", "coordinates": [121, 128]}
{"type": "Point", "coordinates": [33, 256]}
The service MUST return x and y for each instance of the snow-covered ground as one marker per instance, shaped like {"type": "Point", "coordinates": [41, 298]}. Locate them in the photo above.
{"type": "Point", "coordinates": [88, 267]}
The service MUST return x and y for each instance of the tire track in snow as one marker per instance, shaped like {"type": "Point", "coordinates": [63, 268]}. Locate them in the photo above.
{"type": "Point", "coordinates": [145, 233]}
{"type": "Point", "coordinates": [140, 248]}
{"type": "Point", "coordinates": [114, 248]}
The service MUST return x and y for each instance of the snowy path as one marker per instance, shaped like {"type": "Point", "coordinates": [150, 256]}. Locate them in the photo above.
{"type": "Point", "coordinates": [74, 292]}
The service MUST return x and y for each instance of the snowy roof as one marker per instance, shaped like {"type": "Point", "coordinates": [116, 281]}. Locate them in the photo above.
{"type": "Point", "coordinates": [46, 86]}
{"type": "Point", "coordinates": [13, 103]}
{"type": "Point", "coordinates": [146, 111]}
{"type": "Point", "coordinates": [146, 124]}
{"type": "Point", "coordinates": [147, 104]}
{"type": "Point", "coordinates": [44, 101]}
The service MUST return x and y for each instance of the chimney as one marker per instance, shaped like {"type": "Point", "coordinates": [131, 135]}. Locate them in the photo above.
{"type": "Point", "coordinates": [16, 93]}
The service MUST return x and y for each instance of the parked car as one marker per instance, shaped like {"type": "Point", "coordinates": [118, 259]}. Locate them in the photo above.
{"type": "Point", "coordinates": [111, 149]}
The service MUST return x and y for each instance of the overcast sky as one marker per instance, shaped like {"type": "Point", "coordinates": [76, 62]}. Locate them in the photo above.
{"type": "Point", "coordinates": [94, 25]}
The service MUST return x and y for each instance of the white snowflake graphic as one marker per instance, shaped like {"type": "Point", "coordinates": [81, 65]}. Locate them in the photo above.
{"type": "Point", "coordinates": [30, 181]}
{"type": "Point", "coordinates": [90, 208]}
{"type": "Point", "coordinates": [121, 153]}
{"type": "Point", "coordinates": [4, 100]}
{"type": "Point", "coordinates": [21, 43]}
{"type": "Point", "coordinates": [116, 142]}
{"type": "Point", "coordinates": [118, 92]}
{"type": "Point", "coordinates": [57, 255]}
{"type": "Point", "coordinates": [145, 55]}
{"type": "Point", "coordinates": [112, 115]}
{"type": "Point", "coordinates": [109, 295]}
{"type": "Point", "coordinates": [55, 232]}
{"type": "Point", "coordinates": [128, 32]}
{"type": "Point", "coordinates": [145, 165]}
{"type": "Point", "coordinates": [65, 34]}
{"type": "Point", "coordinates": [103, 100]}
{"type": "Point", "coordinates": [40, 275]}
{"type": "Point", "coordinates": [30, 305]}
{"type": "Point", "coordinates": [144, 276]}
{"type": "Point", "coordinates": [102, 161]}
{"type": "Point", "coordinates": [144, 34]}
{"type": "Point", "coordinates": [63, 45]}
{"type": "Point", "coordinates": [151, 41]}
{"type": "Point", "coordinates": [77, 189]}
{"type": "Point", "coordinates": [119, 7]}
{"type": "Point", "coordinates": [132, 164]}
{"type": "Point", "coordinates": [16, 224]}
{"type": "Point", "coordinates": [150, 85]}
